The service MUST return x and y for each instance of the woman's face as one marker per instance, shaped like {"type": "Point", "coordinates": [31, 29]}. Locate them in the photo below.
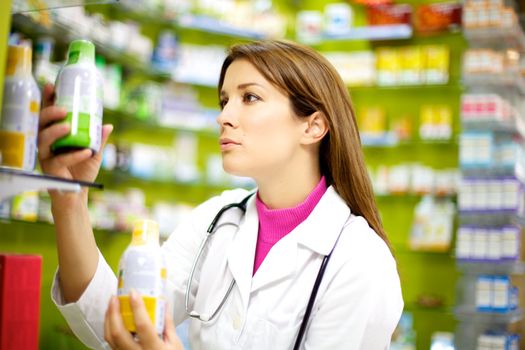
{"type": "Point", "coordinates": [260, 136]}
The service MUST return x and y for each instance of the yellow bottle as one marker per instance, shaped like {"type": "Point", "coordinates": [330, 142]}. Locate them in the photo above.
{"type": "Point", "coordinates": [19, 113]}
{"type": "Point", "coordinates": [142, 268]}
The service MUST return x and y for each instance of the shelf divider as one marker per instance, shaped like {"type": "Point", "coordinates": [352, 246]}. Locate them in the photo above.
{"type": "Point", "coordinates": [23, 6]}
{"type": "Point", "coordinates": [14, 181]}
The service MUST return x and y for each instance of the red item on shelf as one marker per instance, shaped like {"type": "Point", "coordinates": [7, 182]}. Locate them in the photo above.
{"type": "Point", "coordinates": [372, 2]}
{"type": "Point", "coordinates": [437, 17]}
{"type": "Point", "coordinates": [20, 280]}
{"type": "Point", "coordinates": [389, 14]}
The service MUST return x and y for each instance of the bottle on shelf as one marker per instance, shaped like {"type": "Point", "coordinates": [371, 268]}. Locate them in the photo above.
{"type": "Point", "coordinates": [21, 105]}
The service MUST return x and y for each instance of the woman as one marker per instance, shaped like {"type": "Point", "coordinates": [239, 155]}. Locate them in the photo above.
{"type": "Point", "coordinates": [288, 123]}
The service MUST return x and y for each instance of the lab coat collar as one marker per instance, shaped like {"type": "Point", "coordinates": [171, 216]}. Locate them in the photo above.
{"type": "Point", "coordinates": [318, 232]}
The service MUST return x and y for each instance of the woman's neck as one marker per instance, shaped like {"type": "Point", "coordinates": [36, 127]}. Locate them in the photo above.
{"type": "Point", "coordinates": [280, 193]}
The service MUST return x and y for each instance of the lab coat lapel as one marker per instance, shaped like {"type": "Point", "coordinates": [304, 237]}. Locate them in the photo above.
{"type": "Point", "coordinates": [278, 264]}
{"type": "Point", "coordinates": [322, 228]}
{"type": "Point", "coordinates": [318, 233]}
{"type": "Point", "coordinates": [241, 252]}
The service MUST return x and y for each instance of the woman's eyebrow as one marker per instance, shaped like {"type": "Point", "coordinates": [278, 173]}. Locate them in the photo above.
{"type": "Point", "coordinates": [245, 85]}
{"type": "Point", "coordinates": [241, 86]}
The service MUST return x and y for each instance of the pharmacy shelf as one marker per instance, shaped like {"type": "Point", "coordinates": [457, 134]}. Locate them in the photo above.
{"type": "Point", "coordinates": [512, 125]}
{"type": "Point", "coordinates": [371, 33]}
{"type": "Point", "coordinates": [121, 176]}
{"type": "Point", "coordinates": [63, 34]}
{"type": "Point", "coordinates": [13, 181]}
{"type": "Point", "coordinates": [19, 6]}
{"type": "Point", "coordinates": [386, 139]}
{"type": "Point", "coordinates": [508, 80]}
{"type": "Point", "coordinates": [371, 143]}
{"type": "Point", "coordinates": [491, 172]}
{"type": "Point", "coordinates": [211, 25]}
{"type": "Point", "coordinates": [404, 89]}
{"type": "Point", "coordinates": [40, 222]}
{"type": "Point", "coordinates": [199, 82]}
{"type": "Point", "coordinates": [406, 249]}
{"type": "Point", "coordinates": [124, 120]}
{"type": "Point", "coordinates": [416, 307]}
{"type": "Point", "coordinates": [411, 196]}
{"type": "Point", "coordinates": [490, 218]}
{"type": "Point", "coordinates": [192, 22]}
{"type": "Point", "coordinates": [470, 314]}
{"type": "Point", "coordinates": [491, 267]}
{"type": "Point", "coordinates": [496, 38]}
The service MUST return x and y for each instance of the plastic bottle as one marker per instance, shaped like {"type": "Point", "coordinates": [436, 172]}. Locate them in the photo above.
{"type": "Point", "coordinates": [43, 69]}
{"type": "Point", "coordinates": [20, 109]}
{"type": "Point", "coordinates": [143, 269]}
{"type": "Point", "coordinates": [79, 88]}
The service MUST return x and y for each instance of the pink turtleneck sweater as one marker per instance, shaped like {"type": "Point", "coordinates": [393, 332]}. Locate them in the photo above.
{"type": "Point", "coordinates": [274, 224]}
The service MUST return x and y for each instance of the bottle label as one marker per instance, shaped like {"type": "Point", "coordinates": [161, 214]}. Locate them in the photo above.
{"type": "Point", "coordinates": [144, 271]}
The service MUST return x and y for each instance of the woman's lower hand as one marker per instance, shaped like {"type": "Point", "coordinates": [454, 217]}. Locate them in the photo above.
{"type": "Point", "coordinates": [146, 338]}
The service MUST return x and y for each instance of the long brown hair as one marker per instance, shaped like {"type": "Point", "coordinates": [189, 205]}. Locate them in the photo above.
{"type": "Point", "coordinates": [312, 84]}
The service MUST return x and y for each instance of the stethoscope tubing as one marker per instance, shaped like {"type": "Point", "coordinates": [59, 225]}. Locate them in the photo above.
{"type": "Point", "coordinates": [210, 232]}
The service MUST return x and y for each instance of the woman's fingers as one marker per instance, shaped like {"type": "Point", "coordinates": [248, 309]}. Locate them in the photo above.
{"type": "Point", "coordinates": [71, 158]}
{"type": "Point", "coordinates": [49, 135]}
{"type": "Point", "coordinates": [146, 331]}
{"type": "Point", "coordinates": [106, 131]}
{"type": "Point", "coordinates": [48, 95]}
{"type": "Point", "coordinates": [107, 325]}
{"type": "Point", "coordinates": [50, 115]}
{"type": "Point", "coordinates": [114, 331]}
{"type": "Point", "coordinates": [170, 335]}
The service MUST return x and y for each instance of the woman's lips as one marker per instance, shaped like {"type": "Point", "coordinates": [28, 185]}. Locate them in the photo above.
{"type": "Point", "coordinates": [227, 144]}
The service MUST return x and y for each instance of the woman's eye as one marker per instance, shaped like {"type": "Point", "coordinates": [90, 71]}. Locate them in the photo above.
{"type": "Point", "coordinates": [250, 98]}
{"type": "Point", "coordinates": [223, 103]}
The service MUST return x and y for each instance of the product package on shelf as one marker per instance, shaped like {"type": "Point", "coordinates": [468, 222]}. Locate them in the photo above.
{"type": "Point", "coordinates": [20, 283]}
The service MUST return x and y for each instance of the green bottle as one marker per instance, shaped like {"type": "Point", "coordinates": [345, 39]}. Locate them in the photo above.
{"type": "Point", "coordinates": [79, 89]}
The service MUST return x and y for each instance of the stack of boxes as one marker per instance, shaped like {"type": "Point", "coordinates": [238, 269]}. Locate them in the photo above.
{"type": "Point", "coordinates": [491, 197]}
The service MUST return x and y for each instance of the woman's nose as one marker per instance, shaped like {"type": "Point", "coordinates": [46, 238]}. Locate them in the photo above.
{"type": "Point", "coordinates": [227, 116]}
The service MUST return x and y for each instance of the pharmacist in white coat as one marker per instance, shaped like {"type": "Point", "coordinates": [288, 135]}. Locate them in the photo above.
{"type": "Point", "coordinates": [287, 122]}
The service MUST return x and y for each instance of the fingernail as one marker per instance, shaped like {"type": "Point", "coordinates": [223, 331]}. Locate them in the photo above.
{"type": "Point", "coordinates": [133, 295]}
{"type": "Point", "coordinates": [113, 301]}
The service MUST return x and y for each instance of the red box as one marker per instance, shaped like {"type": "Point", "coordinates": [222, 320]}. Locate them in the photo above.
{"type": "Point", "coordinates": [438, 17]}
{"type": "Point", "coordinates": [20, 281]}
{"type": "Point", "coordinates": [379, 15]}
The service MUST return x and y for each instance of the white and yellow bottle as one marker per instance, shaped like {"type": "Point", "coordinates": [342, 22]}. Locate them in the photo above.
{"type": "Point", "coordinates": [142, 268]}
{"type": "Point", "coordinates": [20, 108]}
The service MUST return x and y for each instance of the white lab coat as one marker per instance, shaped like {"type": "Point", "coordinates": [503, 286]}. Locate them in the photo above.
{"type": "Point", "coordinates": [358, 305]}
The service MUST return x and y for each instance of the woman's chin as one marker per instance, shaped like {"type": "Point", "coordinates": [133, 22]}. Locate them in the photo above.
{"type": "Point", "coordinates": [234, 170]}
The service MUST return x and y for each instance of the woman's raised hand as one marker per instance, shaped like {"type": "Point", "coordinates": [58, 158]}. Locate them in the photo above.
{"type": "Point", "coordinates": [77, 165]}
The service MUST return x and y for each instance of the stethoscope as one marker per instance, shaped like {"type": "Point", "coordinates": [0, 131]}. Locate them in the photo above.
{"type": "Point", "coordinates": [209, 233]}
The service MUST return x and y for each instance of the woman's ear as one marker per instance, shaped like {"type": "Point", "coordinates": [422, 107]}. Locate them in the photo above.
{"type": "Point", "coordinates": [316, 128]}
